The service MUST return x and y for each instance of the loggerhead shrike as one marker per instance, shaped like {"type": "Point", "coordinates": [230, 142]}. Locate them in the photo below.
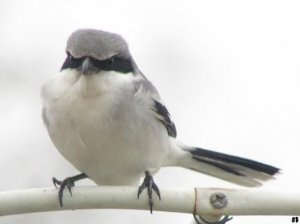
{"type": "Point", "coordinates": [107, 119]}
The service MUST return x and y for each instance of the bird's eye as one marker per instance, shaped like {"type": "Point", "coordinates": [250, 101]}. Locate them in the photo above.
{"type": "Point", "coordinates": [72, 62]}
{"type": "Point", "coordinates": [71, 58]}
{"type": "Point", "coordinates": [111, 60]}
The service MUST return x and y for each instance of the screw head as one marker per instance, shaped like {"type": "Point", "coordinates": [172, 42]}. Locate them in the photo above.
{"type": "Point", "coordinates": [218, 200]}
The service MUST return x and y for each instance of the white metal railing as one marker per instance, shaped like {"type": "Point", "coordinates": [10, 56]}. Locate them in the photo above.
{"type": "Point", "coordinates": [211, 203]}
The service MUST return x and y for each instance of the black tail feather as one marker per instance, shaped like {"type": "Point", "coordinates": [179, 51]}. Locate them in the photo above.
{"type": "Point", "coordinates": [208, 156]}
{"type": "Point", "coordinates": [220, 166]}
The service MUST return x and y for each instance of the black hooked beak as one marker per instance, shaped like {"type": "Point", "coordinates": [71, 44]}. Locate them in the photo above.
{"type": "Point", "coordinates": [87, 67]}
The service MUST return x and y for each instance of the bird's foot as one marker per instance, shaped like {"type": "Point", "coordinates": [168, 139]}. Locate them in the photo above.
{"type": "Point", "coordinates": [68, 183]}
{"type": "Point", "coordinates": [150, 185]}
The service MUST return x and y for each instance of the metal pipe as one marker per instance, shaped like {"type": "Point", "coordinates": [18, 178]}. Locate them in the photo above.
{"type": "Point", "coordinates": [200, 201]}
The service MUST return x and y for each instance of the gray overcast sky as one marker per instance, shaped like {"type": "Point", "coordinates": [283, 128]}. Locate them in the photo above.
{"type": "Point", "coordinates": [229, 72]}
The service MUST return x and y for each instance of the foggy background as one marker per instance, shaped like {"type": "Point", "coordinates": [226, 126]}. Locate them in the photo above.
{"type": "Point", "coordinates": [228, 71]}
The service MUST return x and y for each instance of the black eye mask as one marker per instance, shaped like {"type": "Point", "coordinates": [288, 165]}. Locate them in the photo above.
{"type": "Point", "coordinates": [115, 63]}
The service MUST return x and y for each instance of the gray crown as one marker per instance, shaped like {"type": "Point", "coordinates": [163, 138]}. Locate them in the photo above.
{"type": "Point", "coordinates": [97, 44]}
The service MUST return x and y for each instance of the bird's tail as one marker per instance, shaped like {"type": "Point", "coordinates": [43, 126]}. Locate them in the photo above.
{"type": "Point", "coordinates": [234, 169]}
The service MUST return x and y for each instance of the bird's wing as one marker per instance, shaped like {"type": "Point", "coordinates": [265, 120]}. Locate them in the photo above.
{"type": "Point", "coordinates": [163, 115]}
{"type": "Point", "coordinates": [160, 111]}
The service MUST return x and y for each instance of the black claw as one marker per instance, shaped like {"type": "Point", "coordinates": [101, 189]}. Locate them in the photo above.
{"type": "Point", "coordinates": [60, 194]}
{"type": "Point", "coordinates": [56, 182]}
{"type": "Point", "coordinates": [156, 189]}
{"type": "Point", "coordinates": [69, 182]}
{"type": "Point", "coordinates": [150, 185]}
{"type": "Point", "coordinates": [70, 187]}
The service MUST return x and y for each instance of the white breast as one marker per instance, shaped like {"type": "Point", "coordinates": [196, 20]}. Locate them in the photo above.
{"type": "Point", "coordinates": [103, 126]}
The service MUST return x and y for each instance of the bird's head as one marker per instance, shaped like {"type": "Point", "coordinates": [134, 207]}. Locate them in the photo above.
{"type": "Point", "coordinates": [91, 51]}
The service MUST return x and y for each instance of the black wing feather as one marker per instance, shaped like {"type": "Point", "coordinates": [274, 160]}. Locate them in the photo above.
{"type": "Point", "coordinates": [164, 118]}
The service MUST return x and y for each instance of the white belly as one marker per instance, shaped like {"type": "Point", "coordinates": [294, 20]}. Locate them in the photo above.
{"type": "Point", "coordinates": [112, 138]}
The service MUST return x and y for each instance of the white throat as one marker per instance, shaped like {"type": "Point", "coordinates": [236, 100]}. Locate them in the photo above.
{"type": "Point", "coordinates": [74, 84]}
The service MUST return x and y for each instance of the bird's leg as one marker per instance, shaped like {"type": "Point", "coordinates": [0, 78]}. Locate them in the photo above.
{"type": "Point", "coordinates": [150, 185]}
{"type": "Point", "coordinates": [68, 182]}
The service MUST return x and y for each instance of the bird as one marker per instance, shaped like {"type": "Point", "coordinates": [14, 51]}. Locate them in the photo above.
{"type": "Point", "coordinates": [108, 120]}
